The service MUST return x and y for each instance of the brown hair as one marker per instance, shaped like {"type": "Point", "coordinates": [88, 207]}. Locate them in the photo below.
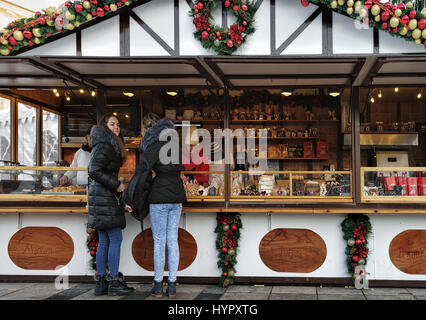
{"type": "Point", "coordinates": [120, 140]}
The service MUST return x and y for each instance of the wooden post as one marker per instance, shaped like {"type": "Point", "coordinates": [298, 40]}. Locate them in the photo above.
{"type": "Point", "coordinates": [100, 104]}
{"type": "Point", "coordinates": [356, 148]}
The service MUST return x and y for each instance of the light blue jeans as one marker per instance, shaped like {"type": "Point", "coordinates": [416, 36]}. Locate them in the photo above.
{"type": "Point", "coordinates": [165, 224]}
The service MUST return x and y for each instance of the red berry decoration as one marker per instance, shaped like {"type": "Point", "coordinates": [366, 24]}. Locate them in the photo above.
{"type": "Point", "coordinates": [78, 8]}
{"type": "Point", "coordinates": [95, 2]}
{"type": "Point", "coordinates": [28, 34]}
{"type": "Point", "coordinates": [405, 20]}
{"type": "Point", "coordinates": [244, 7]}
{"type": "Point", "coordinates": [358, 242]}
{"type": "Point", "coordinates": [224, 250]}
{"type": "Point", "coordinates": [13, 41]}
{"type": "Point", "coordinates": [205, 34]}
{"type": "Point", "coordinates": [200, 6]}
{"type": "Point", "coordinates": [235, 8]}
{"type": "Point", "coordinates": [225, 274]}
{"type": "Point", "coordinates": [384, 25]}
{"type": "Point", "coordinates": [388, 5]}
{"type": "Point", "coordinates": [368, 4]}
{"type": "Point", "coordinates": [355, 258]}
{"type": "Point", "coordinates": [421, 24]}
{"type": "Point", "coordinates": [227, 4]}
{"type": "Point", "coordinates": [304, 3]}
{"type": "Point", "coordinates": [229, 43]}
{"type": "Point", "coordinates": [100, 12]}
{"type": "Point", "coordinates": [106, 7]}
{"type": "Point", "coordinates": [412, 14]}
{"type": "Point", "coordinates": [400, 6]}
{"type": "Point", "coordinates": [385, 15]}
{"type": "Point", "coordinates": [234, 227]}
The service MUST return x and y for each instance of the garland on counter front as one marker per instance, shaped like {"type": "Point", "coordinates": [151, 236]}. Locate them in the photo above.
{"type": "Point", "coordinates": [401, 19]}
{"type": "Point", "coordinates": [92, 246]}
{"type": "Point", "coordinates": [222, 40]}
{"type": "Point", "coordinates": [356, 229]}
{"type": "Point", "coordinates": [35, 30]}
{"type": "Point", "coordinates": [228, 233]}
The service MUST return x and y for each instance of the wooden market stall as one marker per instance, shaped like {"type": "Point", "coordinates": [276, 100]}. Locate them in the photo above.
{"type": "Point", "coordinates": [329, 158]}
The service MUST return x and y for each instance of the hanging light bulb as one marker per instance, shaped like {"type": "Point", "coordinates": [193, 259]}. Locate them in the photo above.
{"type": "Point", "coordinates": [419, 95]}
{"type": "Point", "coordinates": [172, 93]}
{"type": "Point", "coordinates": [55, 90]}
{"type": "Point", "coordinates": [396, 89]}
{"type": "Point", "coordinates": [57, 93]}
{"type": "Point", "coordinates": [372, 100]}
{"type": "Point", "coordinates": [68, 98]}
{"type": "Point", "coordinates": [93, 93]}
{"type": "Point", "coordinates": [380, 94]}
{"type": "Point", "coordinates": [81, 91]}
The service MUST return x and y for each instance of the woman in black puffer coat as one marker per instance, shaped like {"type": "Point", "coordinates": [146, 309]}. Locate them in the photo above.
{"type": "Point", "coordinates": [106, 211]}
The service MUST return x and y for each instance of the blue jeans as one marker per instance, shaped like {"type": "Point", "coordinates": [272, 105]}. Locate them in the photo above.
{"type": "Point", "coordinates": [108, 250]}
{"type": "Point", "coordinates": [165, 224]}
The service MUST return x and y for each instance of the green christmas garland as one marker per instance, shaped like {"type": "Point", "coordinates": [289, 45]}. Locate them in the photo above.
{"type": "Point", "coordinates": [35, 30]}
{"type": "Point", "coordinates": [401, 19]}
{"type": "Point", "coordinates": [224, 41]}
{"type": "Point", "coordinates": [228, 233]}
{"type": "Point", "coordinates": [356, 230]}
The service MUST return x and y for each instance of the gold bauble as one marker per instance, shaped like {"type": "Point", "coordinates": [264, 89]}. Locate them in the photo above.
{"type": "Point", "coordinates": [416, 34]}
{"type": "Point", "coordinates": [394, 22]}
{"type": "Point", "coordinates": [409, 5]}
{"type": "Point", "coordinates": [69, 16]}
{"type": "Point", "coordinates": [418, 41]}
{"type": "Point", "coordinates": [412, 24]}
{"type": "Point", "coordinates": [375, 10]}
{"type": "Point", "coordinates": [340, 2]}
{"type": "Point", "coordinates": [113, 7]}
{"type": "Point", "coordinates": [18, 35]}
{"type": "Point", "coordinates": [36, 32]}
{"type": "Point", "coordinates": [377, 18]}
{"type": "Point", "coordinates": [358, 6]}
{"type": "Point", "coordinates": [4, 52]}
{"type": "Point", "coordinates": [350, 10]}
{"type": "Point", "coordinates": [5, 42]}
{"type": "Point", "coordinates": [89, 16]}
{"type": "Point", "coordinates": [37, 41]}
{"type": "Point", "coordinates": [70, 26]}
{"type": "Point", "coordinates": [424, 33]}
{"type": "Point", "coordinates": [77, 24]}
{"type": "Point", "coordinates": [333, 4]}
{"type": "Point", "coordinates": [398, 12]}
{"type": "Point", "coordinates": [423, 12]}
{"type": "Point", "coordinates": [350, 3]}
{"type": "Point", "coordinates": [86, 5]}
{"type": "Point", "coordinates": [403, 31]}
{"type": "Point", "coordinates": [363, 12]}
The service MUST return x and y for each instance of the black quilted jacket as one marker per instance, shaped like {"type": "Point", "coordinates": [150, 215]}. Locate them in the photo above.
{"type": "Point", "coordinates": [106, 210]}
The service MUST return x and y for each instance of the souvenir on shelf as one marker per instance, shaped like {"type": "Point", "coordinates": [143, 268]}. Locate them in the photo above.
{"type": "Point", "coordinates": [332, 115]}
{"type": "Point", "coordinates": [192, 188]}
{"type": "Point", "coordinates": [170, 113]}
{"type": "Point", "coordinates": [188, 114]}
{"type": "Point", "coordinates": [235, 115]}
{"type": "Point", "coordinates": [309, 115]}
{"type": "Point", "coordinates": [312, 188]}
{"type": "Point", "coordinates": [198, 116]}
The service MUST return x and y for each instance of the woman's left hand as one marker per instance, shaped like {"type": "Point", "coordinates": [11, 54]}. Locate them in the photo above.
{"type": "Point", "coordinates": [128, 208]}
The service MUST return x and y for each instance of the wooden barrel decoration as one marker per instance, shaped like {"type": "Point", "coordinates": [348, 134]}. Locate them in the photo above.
{"type": "Point", "coordinates": [41, 248]}
{"type": "Point", "coordinates": [292, 250]}
{"type": "Point", "coordinates": [143, 251]}
{"type": "Point", "coordinates": [407, 251]}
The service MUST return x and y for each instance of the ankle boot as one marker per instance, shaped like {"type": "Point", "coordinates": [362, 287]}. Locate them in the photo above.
{"type": "Point", "coordinates": [117, 286]}
{"type": "Point", "coordinates": [101, 287]}
{"type": "Point", "coordinates": [171, 290]}
{"type": "Point", "coordinates": [157, 289]}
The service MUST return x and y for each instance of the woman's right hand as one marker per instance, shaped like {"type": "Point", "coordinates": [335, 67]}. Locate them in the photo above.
{"type": "Point", "coordinates": [121, 188]}
{"type": "Point", "coordinates": [63, 180]}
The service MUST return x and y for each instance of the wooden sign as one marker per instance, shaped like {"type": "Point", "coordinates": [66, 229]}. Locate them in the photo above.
{"type": "Point", "coordinates": [292, 250]}
{"type": "Point", "coordinates": [143, 251]}
{"type": "Point", "coordinates": [40, 248]}
{"type": "Point", "coordinates": [407, 251]}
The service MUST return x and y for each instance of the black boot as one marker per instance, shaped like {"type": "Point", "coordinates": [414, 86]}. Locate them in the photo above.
{"type": "Point", "coordinates": [157, 289]}
{"type": "Point", "coordinates": [101, 287]}
{"type": "Point", "coordinates": [171, 290]}
{"type": "Point", "coordinates": [117, 286]}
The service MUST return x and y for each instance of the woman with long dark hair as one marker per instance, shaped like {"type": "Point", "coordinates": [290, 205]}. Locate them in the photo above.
{"type": "Point", "coordinates": [106, 209]}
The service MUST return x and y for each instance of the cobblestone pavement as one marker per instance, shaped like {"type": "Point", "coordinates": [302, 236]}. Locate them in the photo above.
{"type": "Point", "coordinates": [84, 291]}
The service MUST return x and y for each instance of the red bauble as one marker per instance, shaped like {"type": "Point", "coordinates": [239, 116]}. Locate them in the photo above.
{"type": "Point", "coordinates": [67, 4]}
{"type": "Point", "coordinates": [358, 242]}
{"type": "Point", "coordinates": [92, 253]}
{"type": "Point", "coordinates": [30, 43]}
{"type": "Point", "coordinates": [42, 21]}
{"type": "Point", "coordinates": [100, 12]}
{"type": "Point", "coordinates": [95, 2]}
{"type": "Point", "coordinates": [227, 4]}
{"type": "Point", "coordinates": [224, 250]}
{"type": "Point", "coordinates": [225, 274]}
{"type": "Point", "coordinates": [244, 23]}
{"type": "Point", "coordinates": [384, 25]}
{"type": "Point", "coordinates": [421, 24]}
{"type": "Point", "coordinates": [405, 20]}
{"type": "Point", "coordinates": [106, 7]}
{"type": "Point", "coordinates": [304, 3]}
{"type": "Point", "coordinates": [229, 43]}
{"type": "Point", "coordinates": [235, 8]}
{"type": "Point", "coordinates": [388, 5]}
{"type": "Point", "coordinates": [13, 41]}
{"type": "Point", "coordinates": [28, 34]}
{"type": "Point", "coordinates": [368, 4]}
{"type": "Point", "coordinates": [205, 34]}
{"type": "Point", "coordinates": [355, 258]}
{"type": "Point", "coordinates": [400, 6]}
{"type": "Point", "coordinates": [78, 8]}
{"type": "Point", "coordinates": [234, 227]}
{"type": "Point", "coordinates": [412, 14]}
{"type": "Point", "coordinates": [393, 8]}
{"type": "Point", "coordinates": [200, 6]}
{"type": "Point", "coordinates": [385, 15]}
{"type": "Point", "coordinates": [244, 7]}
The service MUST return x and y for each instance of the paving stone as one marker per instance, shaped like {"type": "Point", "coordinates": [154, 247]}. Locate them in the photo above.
{"type": "Point", "coordinates": [214, 289]}
{"type": "Point", "coordinates": [38, 291]}
{"type": "Point", "coordinates": [420, 297]}
{"type": "Point", "coordinates": [208, 296]}
{"type": "Point", "coordinates": [90, 295]}
{"type": "Point", "coordinates": [341, 297]}
{"type": "Point", "coordinates": [244, 296]}
{"type": "Point", "coordinates": [391, 297]}
{"type": "Point", "coordinates": [417, 291]}
{"type": "Point", "coordinates": [188, 288]}
{"type": "Point", "coordinates": [294, 289]}
{"type": "Point", "coordinates": [249, 289]}
{"type": "Point", "coordinates": [385, 291]}
{"type": "Point", "coordinates": [72, 292]}
{"type": "Point", "coordinates": [338, 290]}
{"type": "Point", "coordinates": [292, 296]}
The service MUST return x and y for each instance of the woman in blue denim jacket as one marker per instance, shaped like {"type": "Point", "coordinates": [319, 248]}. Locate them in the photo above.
{"type": "Point", "coordinates": [165, 201]}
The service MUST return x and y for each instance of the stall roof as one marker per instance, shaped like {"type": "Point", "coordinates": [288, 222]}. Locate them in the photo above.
{"type": "Point", "coordinates": [236, 72]}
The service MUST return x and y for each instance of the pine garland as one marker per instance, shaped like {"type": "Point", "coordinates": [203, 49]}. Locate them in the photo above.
{"type": "Point", "coordinates": [356, 230]}
{"type": "Point", "coordinates": [224, 41]}
{"type": "Point", "coordinates": [403, 19]}
{"type": "Point", "coordinates": [92, 245]}
{"type": "Point", "coordinates": [228, 233]}
{"type": "Point", "coordinates": [35, 30]}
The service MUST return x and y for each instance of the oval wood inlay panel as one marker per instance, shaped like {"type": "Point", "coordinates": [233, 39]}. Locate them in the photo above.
{"type": "Point", "coordinates": [40, 248]}
{"type": "Point", "coordinates": [143, 251]}
{"type": "Point", "coordinates": [407, 251]}
{"type": "Point", "coordinates": [292, 250]}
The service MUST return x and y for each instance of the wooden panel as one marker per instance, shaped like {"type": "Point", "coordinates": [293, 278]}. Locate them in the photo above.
{"type": "Point", "coordinates": [292, 250]}
{"type": "Point", "coordinates": [40, 248]}
{"type": "Point", "coordinates": [143, 251]}
{"type": "Point", "coordinates": [407, 251]}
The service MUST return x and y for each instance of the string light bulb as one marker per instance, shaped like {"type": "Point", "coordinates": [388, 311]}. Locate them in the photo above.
{"type": "Point", "coordinates": [380, 94]}
{"type": "Point", "coordinates": [81, 91]}
{"type": "Point", "coordinates": [68, 98]}
{"type": "Point", "coordinates": [372, 100]}
{"type": "Point", "coordinates": [93, 93]}
{"type": "Point", "coordinates": [419, 95]}
{"type": "Point", "coordinates": [396, 89]}
{"type": "Point", "coordinates": [57, 93]}
{"type": "Point", "coordinates": [55, 90]}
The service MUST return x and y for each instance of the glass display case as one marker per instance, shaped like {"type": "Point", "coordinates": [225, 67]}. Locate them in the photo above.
{"type": "Point", "coordinates": [204, 186]}
{"type": "Point", "coordinates": [393, 184]}
{"type": "Point", "coordinates": [300, 186]}
{"type": "Point", "coordinates": [22, 183]}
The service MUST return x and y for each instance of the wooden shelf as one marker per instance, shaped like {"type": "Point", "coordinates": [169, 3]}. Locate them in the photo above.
{"type": "Point", "coordinates": [285, 121]}
{"type": "Point", "coordinates": [313, 159]}
{"type": "Point", "coordinates": [384, 132]}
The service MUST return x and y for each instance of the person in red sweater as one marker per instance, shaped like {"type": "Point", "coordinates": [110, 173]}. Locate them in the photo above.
{"type": "Point", "coordinates": [202, 178]}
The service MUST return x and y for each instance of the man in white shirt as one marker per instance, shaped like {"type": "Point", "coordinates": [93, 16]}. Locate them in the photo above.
{"type": "Point", "coordinates": [81, 159]}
